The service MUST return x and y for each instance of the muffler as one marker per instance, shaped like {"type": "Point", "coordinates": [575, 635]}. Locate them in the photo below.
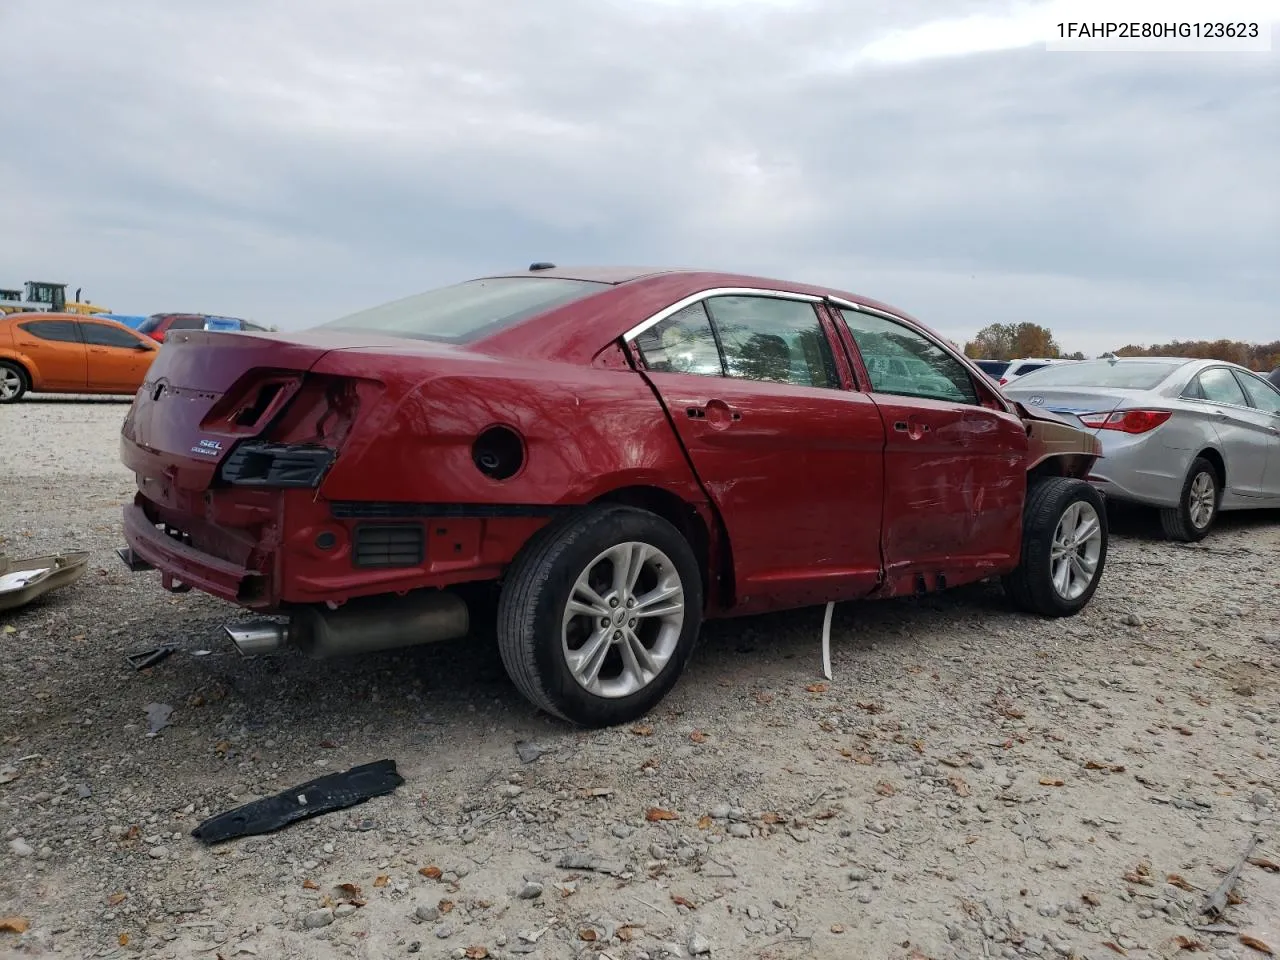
{"type": "Point", "coordinates": [359, 626]}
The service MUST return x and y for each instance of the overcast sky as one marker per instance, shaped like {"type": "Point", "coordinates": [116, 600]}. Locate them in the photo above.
{"type": "Point", "coordinates": [292, 160]}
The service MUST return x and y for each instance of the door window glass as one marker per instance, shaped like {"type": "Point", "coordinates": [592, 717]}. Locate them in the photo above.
{"type": "Point", "coordinates": [1220, 386]}
{"type": "Point", "coordinates": [901, 361]}
{"type": "Point", "coordinates": [1260, 393]}
{"type": "Point", "coordinates": [62, 331]}
{"type": "Point", "coordinates": [768, 338]}
{"type": "Point", "coordinates": [103, 335]}
{"type": "Point", "coordinates": [682, 343]}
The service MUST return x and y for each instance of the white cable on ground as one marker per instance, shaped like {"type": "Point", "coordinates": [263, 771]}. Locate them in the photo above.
{"type": "Point", "coordinates": [826, 640]}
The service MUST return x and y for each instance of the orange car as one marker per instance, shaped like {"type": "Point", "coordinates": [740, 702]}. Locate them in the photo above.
{"type": "Point", "coordinates": [66, 353]}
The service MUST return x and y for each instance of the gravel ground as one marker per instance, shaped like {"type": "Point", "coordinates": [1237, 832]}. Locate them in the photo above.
{"type": "Point", "coordinates": [974, 783]}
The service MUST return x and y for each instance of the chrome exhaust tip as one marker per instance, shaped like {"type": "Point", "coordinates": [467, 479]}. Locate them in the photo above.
{"type": "Point", "coordinates": [257, 637]}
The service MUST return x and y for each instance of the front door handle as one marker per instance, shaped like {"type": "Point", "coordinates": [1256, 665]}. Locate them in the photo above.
{"type": "Point", "coordinates": [715, 411]}
{"type": "Point", "coordinates": [913, 428]}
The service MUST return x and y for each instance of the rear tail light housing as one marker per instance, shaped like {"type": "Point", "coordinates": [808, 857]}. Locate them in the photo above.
{"type": "Point", "coordinates": [1127, 421]}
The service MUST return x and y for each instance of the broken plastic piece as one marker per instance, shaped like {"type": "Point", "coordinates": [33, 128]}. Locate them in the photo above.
{"type": "Point", "coordinates": [826, 640]}
{"type": "Point", "coordinates": [149, 658]}
{"type": "Point", "coordinates": [322, 795]}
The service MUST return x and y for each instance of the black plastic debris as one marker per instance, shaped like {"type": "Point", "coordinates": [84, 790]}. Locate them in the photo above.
{"type": "Point", "coordinates": [149, 658]}
{"type": "Point", "coordinates": [322, 795]}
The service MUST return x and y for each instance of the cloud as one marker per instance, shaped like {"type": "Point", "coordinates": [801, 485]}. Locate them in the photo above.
{"type": "Point", "coordinates": [291, 161]}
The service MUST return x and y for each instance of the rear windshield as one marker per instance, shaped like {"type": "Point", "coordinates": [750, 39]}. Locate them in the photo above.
{"type": "Point", "coordinates": [467, 311]}
{"type": "Point", "coordinates": [993, 367]}
{"type": "Point", "coordinates": [1099, 373]}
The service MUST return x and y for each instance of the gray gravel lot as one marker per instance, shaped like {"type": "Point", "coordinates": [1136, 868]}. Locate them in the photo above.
{"type": "Point", "coordinates": [974, 783]}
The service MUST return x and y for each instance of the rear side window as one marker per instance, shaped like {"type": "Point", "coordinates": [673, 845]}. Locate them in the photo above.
{"type": "Point", "coordinates": [467, 311]}
{"type": "Point", "coordinates": [60, 331]}
{"type": "Point", "coordinates": [1219, 386]}
{"type": "Point", "coordinates": [1260, 393]}
{"type": "Point", "coordinates": [102, 335]}
{"type": "Point", "coordinates": [901, 361]}
{"type": "Point", "coordinates": [151, 324]}
{"type": "Point", "coordinates": [750, 338]}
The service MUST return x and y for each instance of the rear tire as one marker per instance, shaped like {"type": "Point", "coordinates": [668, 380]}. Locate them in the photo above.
{"type": "Point", "coordinates": [1197, 509]}
{"type": "Point", "coordinates": [564, 659]}
{"type": "Point", "coordinates": [14, 382]}
{"type": "Point", "coordinates": [1064, 547]}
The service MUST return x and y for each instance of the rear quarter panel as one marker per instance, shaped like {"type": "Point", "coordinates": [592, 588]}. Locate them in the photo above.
{"type": "Point", "coordinates": [586, 431]}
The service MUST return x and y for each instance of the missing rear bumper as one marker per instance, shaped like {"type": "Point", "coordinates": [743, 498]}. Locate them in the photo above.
{"type": "Point", "coordinates": [131, 560]}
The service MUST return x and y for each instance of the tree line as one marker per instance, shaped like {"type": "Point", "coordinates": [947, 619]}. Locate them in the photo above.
{"type": "Point", "coordinates": [1008, 341]}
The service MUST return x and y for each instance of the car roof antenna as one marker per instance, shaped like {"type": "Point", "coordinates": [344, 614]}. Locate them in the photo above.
{"type": "Point", "coordinates": [542, 265]}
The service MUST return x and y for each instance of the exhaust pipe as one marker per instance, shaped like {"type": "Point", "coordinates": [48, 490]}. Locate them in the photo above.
{"type": "Point", "coordinates": [257, 637]}
{"type": "Point", "coordinates": [359, 626]}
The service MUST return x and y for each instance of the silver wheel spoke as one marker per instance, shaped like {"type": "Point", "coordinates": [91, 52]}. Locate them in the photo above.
{"type": "Point", "coordinates": [586, 662]}
{"type": "Point", "coordinates": [628, 562]}
{"type": "Point", "coordinates": [637, 659]}
{"type": "Point", "coordinates": [662, 601]}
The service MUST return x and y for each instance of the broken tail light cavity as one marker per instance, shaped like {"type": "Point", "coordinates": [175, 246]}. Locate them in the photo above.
{"type": "Point", "coordinates": [1126, 421]}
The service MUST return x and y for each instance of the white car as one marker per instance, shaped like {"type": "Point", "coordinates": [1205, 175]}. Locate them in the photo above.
{"type": "Point", "coordinates": [1021, 367]}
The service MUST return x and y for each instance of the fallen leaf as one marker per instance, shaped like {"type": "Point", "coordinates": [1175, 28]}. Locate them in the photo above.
{"type": "Point", "coordinates": [770, 817]}
{"type": "Point", "coordinates": [1092, 899]}
{"type": "Point", "coordinates": [1255, 944]}
{"type": "Point", "coordinates": [432, 872]}
{"type": "Point", "coordinates": [704, 822]}
{"type": "Point", "coordinates": [763, 697]}
{"type": "Point", "coordinates": [885, 788]}
{"type": "Point", "coordinates": [917, 746]}
{"type": "Point", "coordinates": [381, 880]}
{"type": "Point", "coordinates": [650, 764]}
{"type": "Point", "coordinates": [1269, 865]}
{"type": "Point", "coordinates": [642, 730]}
{"type": "Point", "coordinates": [1051, 782]}
{"type": "Point", "coordinates": [14, 924]}
{"type": "Point", "coordinates": [837, 928]}
{"type": "Point", "coordinates": [654, 814]}
{"type": "Point", "coordinates": [958, 785]}
{"type": "Point", "coordinates": [587, 934]}
{"type": "Point", "coordinates": [1183, 730]}
{"type": "Point", "coordinates": [9, 629]}
{"type": "Point", "coordinates": [865, 759]}
{"type": "Point", "coordinates": [825, 815]}
{"type": "Point", "coordinates": [1116, 947]}
{"type": "Point", "coordinates": [1234, 899]}
{"type": "Point", "coordinates": [123, 940]}
{"type": "Point", "coordinates": [477, 953]}
{"type": "Point", "coordinates": [444, 906]}
{"type": "Point", "coordinates": [816, 688]}
{"type": "Point", "coordinates": [1179, 881]}
{"type": "Point", "coordinates": [698, 736]}
{"type": "Point", "coordinates": [680, 901]}
{"type": "Point", "coordinates": [116, 899]}
{"type": "Point", "coordinates": [625, 933]}
{"type": "Point", "coordinates": [328, 745]}
{"type": "Point", "coordinates": [870, 707]}
{"type": "Point", "coordinates": [1109, 767]}
{"type": "Point", "coordinates": [1186, 943]}
{"type": "Point", "coordinates": [353, 889]}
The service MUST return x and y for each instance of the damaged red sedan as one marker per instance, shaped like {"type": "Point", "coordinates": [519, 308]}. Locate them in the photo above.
{"type": "Point", "coordinates": [602, 459]}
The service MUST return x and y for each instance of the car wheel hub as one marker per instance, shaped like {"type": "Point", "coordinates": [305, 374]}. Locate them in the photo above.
{"type": "Point", "coordinates": [1202, 501]}
{"type": "Point", "coordinates": [623, 620]}
{"type": "Point", "coordinates": [9, 384]}
{"type": "Point", "coordinates": [1076, 548]}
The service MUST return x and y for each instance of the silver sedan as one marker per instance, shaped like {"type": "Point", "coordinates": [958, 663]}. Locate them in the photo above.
{"type": "Point", "coordinates": [1191, 437]}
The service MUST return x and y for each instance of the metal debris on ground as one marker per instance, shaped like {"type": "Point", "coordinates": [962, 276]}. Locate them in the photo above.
{"type": "Point", "coordinates": [158, 715]}
{"type": "Point", "coordinates": [1217, 901]}
{"type": "Point", "coordinates": [322, 795]}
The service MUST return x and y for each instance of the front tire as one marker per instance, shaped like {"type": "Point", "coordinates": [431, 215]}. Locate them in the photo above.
{"type": "Point", "coordinates": [1064, 547]}
{"type": "Point", "coordinates": [1191, 520]}
{"type": "Point", "coordinates": [598, 615]}
{"type": "Point", "coordinates": [13, 382]}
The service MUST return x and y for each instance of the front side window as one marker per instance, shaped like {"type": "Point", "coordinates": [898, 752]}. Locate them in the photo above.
{"type": "Point", "coordinates": [1219, 386]}
{"type": "Point", "coordinates": [60, 331]}
{"type": "Point", "coordinates": [1260, 393]}
{"type": "Point", "coordinates": [103, 335]}
{"type": "Point", "coordinates": [467, 311]}
{"type": "Point", "coordinates": [901, 361]}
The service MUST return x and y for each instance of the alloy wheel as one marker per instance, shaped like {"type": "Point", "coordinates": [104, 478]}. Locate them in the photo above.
{"type": "Point", "coordinates": [1077, 545]}
{"type": "Point", "coordinates": [1202, 500]}
{"type": "Point", "coordinates": [623, 620]}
